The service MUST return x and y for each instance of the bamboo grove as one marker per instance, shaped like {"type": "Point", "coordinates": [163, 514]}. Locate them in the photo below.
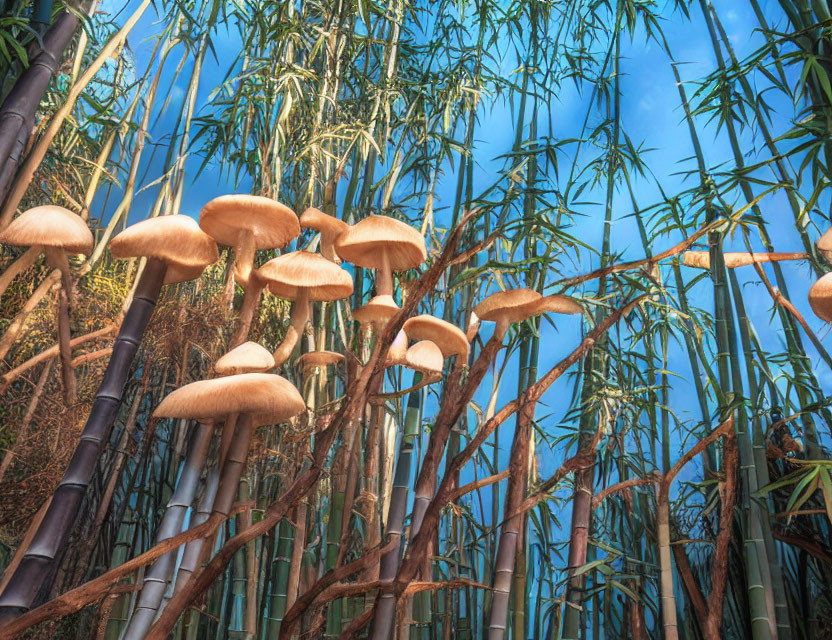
{"type": "Point", "coordinates": [642, 452]}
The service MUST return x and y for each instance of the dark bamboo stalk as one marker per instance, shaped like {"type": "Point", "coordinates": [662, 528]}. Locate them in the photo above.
{"type": "Point", "coordinates": [17, 114]}
{"type": "Point", "coordinates": [511, 529]}
{"type": "Point", "coordinates": [35, 571]}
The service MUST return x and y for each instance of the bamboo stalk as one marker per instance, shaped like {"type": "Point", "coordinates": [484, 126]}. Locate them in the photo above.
{"type": "Point", "coordinates": [47, 545]}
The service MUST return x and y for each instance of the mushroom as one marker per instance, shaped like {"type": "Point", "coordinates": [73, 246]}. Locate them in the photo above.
{"type": "Point", "coordinates": [702, 259]}
{"type": "Point", "coordinates": [377, 311]}
{"type": "Point", "coordinates": [398, 349]}
{"type": "Point", "coordinates": [425, 357]}
{"type": "Point", "coordinates": [259, 398]}
{"type": "Point", "coordinates": [448, 337]}
{"type": "Point", "coordinates": [384, 244]}
{"type": "Point", "coordinates": [330, 228]}
{"type": "Point", "coordinates": [56, 231]}
{"type": "Point", "coordinates": [820, 297]}
{"type": "Point", "coordinates": [313, 359]}
{"type": "Point", "coordinates": [175, 240]}
{"type": "Point", "coordinates": [303, 277]}
{"type": "Point", "coordinates": [249, 357]}
{"type": "Point", "coordinates": [516, 305]}
{"type": "Point", "coordinates": [248, 223]}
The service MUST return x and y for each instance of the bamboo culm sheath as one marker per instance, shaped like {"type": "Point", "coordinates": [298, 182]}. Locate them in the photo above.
{"type": "Point", "coordinates": [38, 564]}
{"type": "Point", "coordinates": [158, 575]}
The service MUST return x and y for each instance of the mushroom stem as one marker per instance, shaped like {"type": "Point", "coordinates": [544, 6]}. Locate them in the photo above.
{"type": "Point", "coordinates": [298, 319]}
{"type": "Point", "coordinates": [328, 246]}
{"type": "Point", "coordinates": [501, 328]}
{"type": "Point", "coordinates": [58, 260]}
{"type": "Point", "coordinates": [245, 258]}
{"type": "Point", "coordinates": [384, 276]}
{"type": "Point", "coordinates": [251, 300]}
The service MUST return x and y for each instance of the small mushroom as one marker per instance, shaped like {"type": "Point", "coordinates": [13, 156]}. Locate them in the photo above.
{"type": "Point", "coordinates": [448, 337]}
{"type": "Point", "coordinates": [248, 223]}
{"type": "Point", "coordinates": [516, 305]}
{"type": "Point", "coordinates": [314, 359]}
{"type": "Point", "coordinates": [398, 349]}
{"type": "Point", "coordinates": [303, 277]}
{"type": "Point", "coordinates": [425, 357]}
{"type": "Point", "coordinates": [249, 357]}
{"type": "Point", "coordinates": [377, 311]}
{"type": "Point", "coordinates": [175, 240]}
{"type": "Point", "coordinates": [820, 297]}
{"type": "Point", "coordinates": [56, 231]}
{"type": "Point", "coordinates": [330, 228]}
{"type": "Point", "coordinates": [384, 244]}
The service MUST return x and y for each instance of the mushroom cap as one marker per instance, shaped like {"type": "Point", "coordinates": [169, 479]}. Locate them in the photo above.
{"type": "Point", "coordinates": [319, 359]}
{"type": "Point", "coordinates": [286, 275]}
{"type": "Point", "coordinates": [316, 219]}
{"type": "Point", "coordinates": [559, 304]}
{"type": "Point", "coordinates": [424, 356]}
{"type": "Point", "coordinates": [397, 350]}
{"type": "Point", "coordinates": [448, 337]}
{"type": "Point", "coordinates": [176, 239]}
{"type": "Point", "coordinates": [228, 217]}
{"type": "Point", "coordinates": [824, 244]}
{"type": "Point", "coordinates": [362, 244]}
{"type": "Point", "coordinates": [49, 226]}
{"type": "Point", "coordinates": [378, 310]}
{"type": "Point", "coordinates": [249, 357]}
{"type": "Point", "coordinates": [820, 297]}
{"type": "Point", "coordinates": [269, 397]}
{"type": "Point", "coordinates": [514, 305]}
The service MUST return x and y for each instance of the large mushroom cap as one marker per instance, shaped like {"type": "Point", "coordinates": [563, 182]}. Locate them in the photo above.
{"type": "Point", "coordinates": [377, 311]}
{"type": "Point", "coordinates": [288, 274]}
{"type": "Point", "coordinates": [316, 219]}
{"type": "Point", "coordinates": [514, 305]}
{"type": "Point", "coordinates": [176, 240]}
{"type": "Point", "coordinates": [424, 356]}
{"type": "Point", "coordinates": [820, 297]}
{"type": "Point", "coordinates": [227, 219]}
{"type": "Point", "coordinates": [362, 244]}
{"type": "Point", "coordinates": [49, 226]}
{"type": "Point", "coordinates": [249, 357]}
{"type": "Point", "coordinates": [269, 397]}
{"type": "Point", "coordinates": [448, 337]}
{"type": "Point", "coordinates": [319, 359]}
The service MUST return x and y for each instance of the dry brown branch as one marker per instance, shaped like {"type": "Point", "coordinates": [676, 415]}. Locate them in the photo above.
{"type": "Point", "coordinates": [94, 590]}
{"type": "Point", "coordinates": [479, 484]}
{"type": "Point", "coordinates": [92, 355]}
{"type": "Point", "coordinates": [622, 486]}
{"type": "Point", "coordinates": [14, 374]}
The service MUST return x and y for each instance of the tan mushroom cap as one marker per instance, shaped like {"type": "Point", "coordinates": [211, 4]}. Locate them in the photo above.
{"type": "Point", "coordinates": [362, 244]}
{"type": "Point", "coordinates": [397, 350]}
{"type": "Point", "coordinates": [288, 274]}
{"type": "Point", "coordinates": [269, 397]}
{"type": "Point", "coordinates": [559, 304]}
{"type": "Point", "coordinates": [425, 357]}
{"type": "Point", "coordinates": [227, 218]}
{"type": "Point", "coordinates": [514, 305]}
{"type": "Point", "coordinates": [249, 357]}
{"type": "Point", "coordinates": [176, 240]}
{"type": "Point", "coordinates": [820, 297]}
{"type": "Point", "coordinates": [824, 244]}
{"type": "Point", "coordinates": [377, 311]}
{"type": "Point", "coordinates": [49, 226]}
{"type": "Point", "coordinates": [316, 219]}
{"type": "Point", "coordinates": [319, 359]}
{"type": "Point", "coordinates": [448, 337]}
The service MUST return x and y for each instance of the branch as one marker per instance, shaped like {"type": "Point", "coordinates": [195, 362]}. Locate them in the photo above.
{"type": "Point", "coordinates": [478, 484]}
{"type": "Point", "coordinates": [94, 590]}
{"type": "Point", "coordinates": [622, 486]}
